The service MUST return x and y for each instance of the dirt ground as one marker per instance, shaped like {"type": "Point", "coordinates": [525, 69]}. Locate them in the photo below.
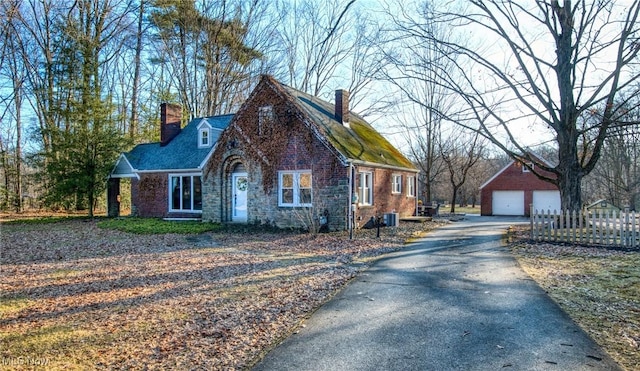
{"type": "Point", "coordinates": [598, 286]}
{"type": "Point", "coordinates": [74, 296]}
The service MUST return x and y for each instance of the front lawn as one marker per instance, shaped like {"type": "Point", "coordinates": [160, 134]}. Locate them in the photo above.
{"type": "Point", "coordinates": [599, 287]}
{"type": "Point", "coordinates": [74, 295]}
{"type": "Point", "coordinates": [157, 226]}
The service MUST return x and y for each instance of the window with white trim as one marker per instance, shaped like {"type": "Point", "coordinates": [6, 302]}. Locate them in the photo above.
{"type": "Point", "coordinates": [295, 188]}
{"type": "Point", "coordinates": [411, 186]}
{"type": "Point", "coordinates": [365, 188]}
{"type": "Point", "coordinates": [203, 137]}
{"type": "Point", "coordinates": [396, 183]}
{"type": "Point", "coordinates": [526, 169]}
{"type": "Point", "coordinates": [185, 193]}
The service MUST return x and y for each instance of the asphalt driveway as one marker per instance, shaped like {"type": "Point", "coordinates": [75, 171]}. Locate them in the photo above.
{"type": "Point", "coordinates": [455, 300]}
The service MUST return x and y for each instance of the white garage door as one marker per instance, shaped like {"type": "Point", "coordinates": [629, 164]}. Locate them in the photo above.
{"type": "Point", "coordinates": [508, 203]}
{"type": "Point", "coordinates": [546, 200]}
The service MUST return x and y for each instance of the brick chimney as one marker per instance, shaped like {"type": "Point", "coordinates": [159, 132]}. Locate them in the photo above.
{"type": "Point", "coordinates": [170, 122]}
{"type": "Point", "coordinates": [342, 107]}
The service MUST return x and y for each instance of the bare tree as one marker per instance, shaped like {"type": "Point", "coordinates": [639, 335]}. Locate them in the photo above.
{"type": "Point", "coordinates": [539, 65]}
{"type": "Point", "coordinates": [313, 36]}
{"type": "Point", "coordinates": [460, 154]}
{"type": "Point", "coordinates": [410, 63]}
{"type": "Point", "coordinates": [617, 175]}
{"type": "Point", "coordinates": [330, 45]}
{"type": "Point", "coordinates": [205, 45]}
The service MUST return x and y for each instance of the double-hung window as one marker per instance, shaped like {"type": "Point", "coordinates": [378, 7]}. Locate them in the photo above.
{"type": "Point", "coordinates": [295, 188]}
{"type": "Point", "coordinates": [411, 186]}
{"type": "Point", "coordinates": [204, 134]}
{"type": "Point", "coordinates": [185, 192]}
{"type": "Point", "coordinates": [204, 137]}
{"type": "Point", "coordinates": [396, 184]}
{"type": "Point", "coordinates": [365, 186]}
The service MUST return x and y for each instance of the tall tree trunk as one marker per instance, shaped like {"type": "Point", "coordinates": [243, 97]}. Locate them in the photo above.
{"type": "Point", "coordinates": [454, 196]}
{"type": "Point", "coordinates": [133, 125]}
{"type": "Point", "coordinates": [570, 172]}
{"type": "Point", "coordinates": [18, 161]}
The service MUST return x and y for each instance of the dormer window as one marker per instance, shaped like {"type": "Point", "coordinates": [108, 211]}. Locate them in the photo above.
{"type": "Point", "coordinates": [204, 138]}
{"type": "Point", "coordinates": [204, 135]}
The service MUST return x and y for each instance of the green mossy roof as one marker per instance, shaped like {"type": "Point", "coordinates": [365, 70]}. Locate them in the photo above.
{"type": "Point", "coordinates": [359, 141]}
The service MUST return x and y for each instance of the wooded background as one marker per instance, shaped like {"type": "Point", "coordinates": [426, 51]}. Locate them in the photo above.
{"type": "Point", "coordinates": [81, 81]}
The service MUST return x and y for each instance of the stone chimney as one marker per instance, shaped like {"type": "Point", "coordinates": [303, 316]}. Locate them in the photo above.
{"type": "Point", "coordinates": [170, 122]}
{"type": "Point", "coordinates": [342, 107]}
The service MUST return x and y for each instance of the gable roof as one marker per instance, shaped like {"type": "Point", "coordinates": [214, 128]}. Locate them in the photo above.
{"type": "Point", "coordinates": [358, 142]}
{"type": "Point", "coordinates": [182, 152]}
{"type": "Point", "coordinates": [530, 152]}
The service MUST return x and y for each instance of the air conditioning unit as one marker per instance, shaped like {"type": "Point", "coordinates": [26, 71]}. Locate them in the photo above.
{"type": "Point", "coordinates": [392, 219]}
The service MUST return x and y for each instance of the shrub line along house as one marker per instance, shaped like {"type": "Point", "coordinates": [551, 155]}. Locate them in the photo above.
{"type": "Point", "coordinates": [286, 158]}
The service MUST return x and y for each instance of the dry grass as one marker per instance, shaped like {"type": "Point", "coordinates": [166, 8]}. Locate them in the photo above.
{"type": "Point", "coordinates": [598, 287]}
{"type": "Point", "coordinates": [74, 296]}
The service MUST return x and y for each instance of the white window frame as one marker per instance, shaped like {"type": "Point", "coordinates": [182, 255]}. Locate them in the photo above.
{"type": "Point", "coordinates": [411, 186]}
{"type": "Point", "coordinates": [526, 169]}
{"type": "Point", "coordinates": [204, 127]}
{"type": "Point", "coordinates": [204, 133]}
{"type": "Point", "coordinates": [191, 192]}
{"type": "Point", "coordinates": [396, 184]}
{"type": "Point", "coordinates": [296, 188]}
{"type": "Point", "coordinates": [365, 186]}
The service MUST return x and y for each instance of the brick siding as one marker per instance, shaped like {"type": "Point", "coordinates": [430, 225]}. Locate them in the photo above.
{"type": "Point", "coordinates": [513, 179]}
{"type": "Point", "coordinates": [149, 197]}
{"type": "Point", "coordinates": [253, 144]}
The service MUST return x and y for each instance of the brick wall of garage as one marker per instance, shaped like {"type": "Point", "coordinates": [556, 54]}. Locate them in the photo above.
{"type": "Point", "coordinates": [513, 178]}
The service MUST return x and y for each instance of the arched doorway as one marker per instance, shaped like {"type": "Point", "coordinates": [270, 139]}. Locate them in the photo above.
{"type": "Point", "coordinates": [239, 190]}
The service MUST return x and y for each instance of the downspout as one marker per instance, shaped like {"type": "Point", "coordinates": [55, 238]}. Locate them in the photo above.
{"type": "Point", "coordinates": [415, 185]}
{"type": "Point", "coordinates": [349, 202]}
{"type": "Point", "coordinates": [222, 197]}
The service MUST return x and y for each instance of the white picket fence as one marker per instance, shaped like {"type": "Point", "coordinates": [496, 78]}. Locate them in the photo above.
{"type": "Point", "coordinates": [604, 227]}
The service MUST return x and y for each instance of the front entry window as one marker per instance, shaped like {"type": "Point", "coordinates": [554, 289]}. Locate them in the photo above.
{"type": "Point", "coordinates": [186, 193]}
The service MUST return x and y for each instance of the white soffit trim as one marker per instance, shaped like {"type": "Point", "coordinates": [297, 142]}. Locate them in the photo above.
{"type": "Point", "coordinates": [496, 174]}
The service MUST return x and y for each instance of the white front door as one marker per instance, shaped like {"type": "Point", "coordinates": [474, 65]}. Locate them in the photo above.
{"type": "Point", "coordinates": [239, 194]}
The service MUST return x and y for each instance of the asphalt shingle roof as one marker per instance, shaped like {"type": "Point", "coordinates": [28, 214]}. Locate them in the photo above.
{"type": "Point", "coordinates": [181, 152]}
